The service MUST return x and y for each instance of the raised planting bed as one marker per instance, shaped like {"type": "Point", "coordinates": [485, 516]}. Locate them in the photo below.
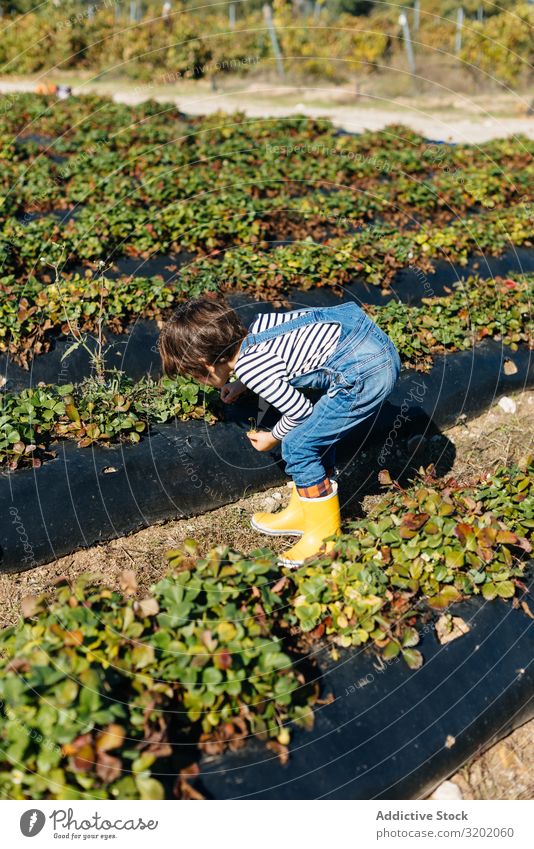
{"type": "Point", "coordinates": [87, 496]}
{"type": "Point", "coordinates": [222, 181]}
{"type": "Point", "coordinates": [108, 406]}
{"type": "Point", "coordinates": [459, 310]}
{"type": "Point", "coordinates": [335, 668]}
{"type": "Point", "coordinates": [389, 733]}
{"type": "Point", "coordinates": [376, 252]}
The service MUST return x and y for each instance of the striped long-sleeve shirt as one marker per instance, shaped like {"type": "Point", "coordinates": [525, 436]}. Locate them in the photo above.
{"type": "Point", "coordinates": [268, 366]}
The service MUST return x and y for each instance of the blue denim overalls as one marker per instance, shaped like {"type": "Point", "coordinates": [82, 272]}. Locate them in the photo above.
{"type": "Point", "coordinates": [356, 378]}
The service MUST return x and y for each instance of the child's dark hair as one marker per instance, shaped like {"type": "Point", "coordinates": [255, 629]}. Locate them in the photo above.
{"type": "Point", "coordinates": [201, 330]}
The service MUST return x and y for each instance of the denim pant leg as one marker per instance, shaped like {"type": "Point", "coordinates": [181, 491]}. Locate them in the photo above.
{"type": "Point", "coordinates": [318, 380]}
{"type": "Point", "coordinates": [328, 460]}
{"type": "Point", "coordinates": [333, 416]}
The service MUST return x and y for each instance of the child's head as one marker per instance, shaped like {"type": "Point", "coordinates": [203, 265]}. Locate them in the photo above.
{"type": "Point", "coordinates": [202, 338]}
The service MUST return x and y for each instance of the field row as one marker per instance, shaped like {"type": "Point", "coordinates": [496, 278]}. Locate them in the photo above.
{"type": "Point", "coordinates": [374, 254]}
{"type": "Point", "coordinates": [115, 408]}
{"type": "Point", "coordinates": [56, 156]}
{"type": "Point", "coordinates": [89, 180]}
{"type": "Point", "coordinates": [223, 647]}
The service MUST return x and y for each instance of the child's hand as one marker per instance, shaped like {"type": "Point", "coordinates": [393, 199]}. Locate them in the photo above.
{"type": "Point", "coordinates": [262, 440]}
{"type": "Point", "coordinates": [231, 391]}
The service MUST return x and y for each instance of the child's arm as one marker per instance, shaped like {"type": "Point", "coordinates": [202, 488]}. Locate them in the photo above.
{"type": "Point", "coordinates": [266, 375]}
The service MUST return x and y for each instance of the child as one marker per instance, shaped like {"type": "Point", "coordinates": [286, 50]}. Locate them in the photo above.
{"type": "Point", "coordinates": [338, 350]}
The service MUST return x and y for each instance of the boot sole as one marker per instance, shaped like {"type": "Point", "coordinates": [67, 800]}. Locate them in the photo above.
{"type": "Point", "coordinates": [290, 564]}
{"type": "Point", "coordinates": [271, 533]}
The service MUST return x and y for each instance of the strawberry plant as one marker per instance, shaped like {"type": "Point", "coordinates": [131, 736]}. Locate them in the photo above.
{"type": "Point", "coordinates": [96, 687]}
{"type": "Point", "coordinates": [95, 410]}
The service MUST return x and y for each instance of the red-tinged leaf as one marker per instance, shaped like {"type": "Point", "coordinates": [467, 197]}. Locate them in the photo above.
{"type": "Point", "coordinates": [464, 532]}
{"type": "Point", "coordinates": [449, 628]}
{"type": "Point", "coordinates": [70, 638]}
{"type": "Point", "coordinates": [128, 582]}
{"type": "Point", "coordinates": [385, 551]}
{"type": "Point", "coordinates": [280, 585]}
{"type": "Point", "coordinates": [318, 632]}
{"type": "Point", "coordinates": [430, 474]}
{"type": "Point", "coordinates": [507, 538]}
{"type": "Point", "coordinates": [414, 521]}
{"type": "Point", "coordinates": [280, 750]}
{"type": "Point", "coordinates": [525, 544]}
{"type": "Point", "coordinates": [485, 554]}
{"type": "Point", "coordinates": [486, 537]}
{"type": "Point", "coordinates": [73, 747]}
{"type": "Point", "coordinates": [185, 791]}
{"type": "Point", "coordinates": [29, 606]}
{"type": "Point", "coordinates": [223, 659]}
{"type": "Point", "coordinates": [211, 746]}
{"type": "Point", "coordinates": [83, 761]}
{"type": "Point", "coordinates": [190, 771]}
{"type": "Point", "coordinates": [111, 738]}
{"type": "Point", "coordinates": [208, 640]}
{"type": "Point", "coordinates": [108, 767]}
{"type": "Point", "coordinates": [18, 664]}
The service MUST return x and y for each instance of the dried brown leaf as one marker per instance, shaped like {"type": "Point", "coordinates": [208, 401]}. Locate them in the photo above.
{"type": "Point", "coordinates": [449, 628]}
{"type": "Point", "coordinates": [128, 582]}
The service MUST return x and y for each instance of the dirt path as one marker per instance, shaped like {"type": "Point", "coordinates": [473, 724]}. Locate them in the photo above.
{"type": "Point", "coordinates": [506, 771]}
{"type": "Point", "coordinates": [457, 118]}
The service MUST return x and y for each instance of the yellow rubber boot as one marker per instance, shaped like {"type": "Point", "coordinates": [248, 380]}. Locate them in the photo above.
{"type": "Point", "coordinates": [321, 520]}
{"type": "Point", "coordinates": [288, 522]}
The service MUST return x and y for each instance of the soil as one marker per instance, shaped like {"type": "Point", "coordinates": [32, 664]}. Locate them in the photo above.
{"type": "Point", "coordinates": [506, 771]}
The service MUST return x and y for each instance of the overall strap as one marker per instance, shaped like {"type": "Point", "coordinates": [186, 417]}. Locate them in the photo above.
{"type": "Point", "coordinates": [284, 327]}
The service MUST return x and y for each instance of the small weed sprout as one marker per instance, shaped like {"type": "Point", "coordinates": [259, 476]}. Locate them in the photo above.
{"type": "Point", "coordinates": [96, 351]}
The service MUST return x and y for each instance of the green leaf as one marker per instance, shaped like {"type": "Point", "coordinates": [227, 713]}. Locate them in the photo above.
{"type": "Point", "coordinates": [391, 650]}
{"type": "Point", "coordinates": [149, 788]}
{"type": "Point", "coordinates": [410, 638]}
{"type": "Point", "coordinates": [489, 591]}
{"type": "Point", "coordinates": [142, 656]}
{"type": "Point", "coordinates": [454, 557]}
{"type": "Point", "coordinates": [448, 595]}
{"type": "Point", "coordinates": [505, 589]}
{"type": "Point", "coordinates": [212, 675]}
{"type": "Point", "coordinates": [413, 658]}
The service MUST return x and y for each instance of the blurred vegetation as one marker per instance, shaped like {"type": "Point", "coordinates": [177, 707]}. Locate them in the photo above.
{"type": "Point", "coordinates": [334, 39]}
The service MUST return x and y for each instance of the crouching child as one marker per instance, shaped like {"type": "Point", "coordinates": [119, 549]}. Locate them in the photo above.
{"type": "Point", "coordinates": [337, 350]}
